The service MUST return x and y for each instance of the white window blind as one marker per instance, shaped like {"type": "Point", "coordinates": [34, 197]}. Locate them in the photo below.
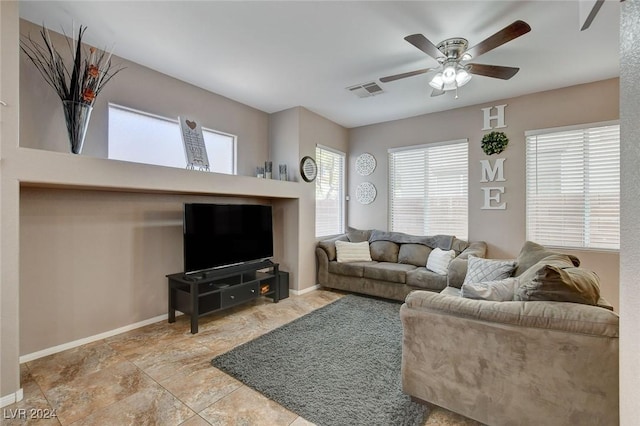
{"type": "Point", "coordinates": [329, 192]}
{"type": "Point", "coordinates": [573, 187]}
{"type": "Point", "coordinates": [428, 189]}
{"type": "Point", "coordinates": [146, 138]}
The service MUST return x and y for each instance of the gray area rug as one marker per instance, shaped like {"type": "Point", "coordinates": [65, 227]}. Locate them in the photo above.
{"type": "Point", "coordinates": [338, 365]}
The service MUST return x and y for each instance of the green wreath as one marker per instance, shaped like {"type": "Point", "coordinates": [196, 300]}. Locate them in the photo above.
{"type": "Point", "coordinates": [494, 142]}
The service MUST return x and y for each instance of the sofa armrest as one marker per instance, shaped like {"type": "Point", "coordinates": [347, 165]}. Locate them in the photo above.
{"type": "Point", "coordinates": [323, 266]}
{"type": "Point", "coordinates": [458, 266]}
{"type": "Point", "coordinates": [329, 245]}
{"type": "Point", "coordinates": [559, 316]}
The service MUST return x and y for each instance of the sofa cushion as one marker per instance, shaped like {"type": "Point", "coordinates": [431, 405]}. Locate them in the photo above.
{"type": "Point", "coordinates": [425, 279]}
{"type": "Point", "coordinates": [387, 271]}
{"type": "Point", "coordinates": [498, 291]}
{"type": "Point", "coordinates": [480, 269]}
{"type": "Point", "coordinates": [439, 260]}
{"type": "Point", "coordinates": [352, 252]}
{"type": "Point", "coordinates": [556, 279]}
{"type": "Point", "coordinates": [531, 253]}
{"type": "Point", "coordinates": [414, 254]}
{"type": "Point", "coordinates": [358, 235]}
{"type": "Point", "coordinates": [351, 269]}
{"type": "Point", "coordinates": [384, 251]}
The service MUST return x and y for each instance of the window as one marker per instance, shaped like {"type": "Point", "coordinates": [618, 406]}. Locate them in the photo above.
{"type": "Point", "coordinates": [329, 191]}
{"type": "Point", "coordinates": [428, 187]}
{"type": "Point", "coordinates": [145, 138]}
{"type": "Point", "coordinates": [573, 187]}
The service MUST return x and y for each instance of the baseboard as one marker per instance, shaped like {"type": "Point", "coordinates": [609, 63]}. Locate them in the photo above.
{"type": "Point", "coordinates": [304, 291]}
{"type": "Point", "coordinates": [90, 339]}
{"type": "Point", "coordinates": [12, 398]}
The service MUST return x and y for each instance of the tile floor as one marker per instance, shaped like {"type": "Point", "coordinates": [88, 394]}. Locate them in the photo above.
{"type": "Point", "coordinates": [161, 375]}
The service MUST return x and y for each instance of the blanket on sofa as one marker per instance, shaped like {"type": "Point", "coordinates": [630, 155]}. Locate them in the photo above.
{"type": "Point", "coordinates": [444, 242]}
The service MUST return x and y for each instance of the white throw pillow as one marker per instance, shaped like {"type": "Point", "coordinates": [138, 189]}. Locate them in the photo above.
{"type": "Point", "coordinates": [439, 260]}
{"type": "Point", "coordinates": [480, 270]}
{"type": "Point", "coordinates": [353, 252]}
{"type": "Point", "coordinates": [498, 291]}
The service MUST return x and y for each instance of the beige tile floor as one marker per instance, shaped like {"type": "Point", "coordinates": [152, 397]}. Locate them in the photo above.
{"type": "Point", "coordinates": [161, 375]}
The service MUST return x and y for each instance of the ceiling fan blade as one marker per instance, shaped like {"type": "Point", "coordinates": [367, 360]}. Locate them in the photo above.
{"type": "Point", "coordinates": [436, 92]}
{"type": "Point", "coordinates": [404, 75]}
{"type": "Point", "coordinates": [421, 42]}
{"type": "Point", "coordinates": [495, 71]}
{"type": "Point", "coordinates": [506, 34]}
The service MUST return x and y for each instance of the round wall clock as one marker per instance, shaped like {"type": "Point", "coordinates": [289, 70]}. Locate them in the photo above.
{"type": "Point", "coordinates": [365, 164]}
{"type": "Point", "coordinates": [366, 193]}
{"type": "Point", "coordinates": [308, 169]}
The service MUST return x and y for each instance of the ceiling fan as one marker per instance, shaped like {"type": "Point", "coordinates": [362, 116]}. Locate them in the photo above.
{"type": "Point", "coordinates": [453, 53]}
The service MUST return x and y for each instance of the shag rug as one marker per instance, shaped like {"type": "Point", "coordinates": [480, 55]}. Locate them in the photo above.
{"type": "Point", "coordinates": [338, 365]}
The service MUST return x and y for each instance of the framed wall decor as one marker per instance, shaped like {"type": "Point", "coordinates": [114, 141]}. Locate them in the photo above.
{"type": "Point", "coordinates": [308, 169]}
{"type": "Point", "coordinates": [365, 164]}
{"type": "Point", "coordinates": [366, 193]}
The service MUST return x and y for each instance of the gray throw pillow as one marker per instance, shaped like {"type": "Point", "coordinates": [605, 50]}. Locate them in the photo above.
{"type": "Point", "coordinates": [498, 291]}
{"type": "Point", "coordinates": [531, 253]}
{"type": "Point", "coordinates": [480, 269]}
{"type": "Point", "coordinates": [559, 283]}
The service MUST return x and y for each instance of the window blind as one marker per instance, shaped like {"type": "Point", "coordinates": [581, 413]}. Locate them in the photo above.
{"type": "Point", "coordinates": [573, 187]}
{"type": "Point", "coordinates": [428, 189]}
{"type": "Point", "coordinates": [329, 192]}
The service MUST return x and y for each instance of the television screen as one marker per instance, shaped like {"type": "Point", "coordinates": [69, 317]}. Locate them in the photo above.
{"type": "Point", "coordinates": [225, 234]}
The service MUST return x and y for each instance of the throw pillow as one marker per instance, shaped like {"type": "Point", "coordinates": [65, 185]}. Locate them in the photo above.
{"type": "Point", "coordinates": [439, 260]}
{"type": "Point", "coordinates": [561, 284]}
{"type": "Point", "coordinates": [531, 253]}
{"type": "Point", "coordinates": [498, 291]}
{"type": "Point", "coordinates": [480, 269]}
{"type": "Point", "coordinates": [353, 252]}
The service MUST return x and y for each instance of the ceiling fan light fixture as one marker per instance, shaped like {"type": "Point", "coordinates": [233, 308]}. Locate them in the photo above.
{"type": "Point", "coordinates": [449, 74]}
{"type": "Point", "coordinates": [437, 81]}
{"type": "Point", "coordinates": [462, 77]}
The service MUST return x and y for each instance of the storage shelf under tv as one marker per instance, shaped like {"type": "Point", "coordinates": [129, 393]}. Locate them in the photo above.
{"type": "Point", "coordinates": [206, 292]}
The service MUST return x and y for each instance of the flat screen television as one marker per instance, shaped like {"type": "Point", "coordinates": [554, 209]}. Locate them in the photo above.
{"type": "Point", "coordinates": [217, 235]}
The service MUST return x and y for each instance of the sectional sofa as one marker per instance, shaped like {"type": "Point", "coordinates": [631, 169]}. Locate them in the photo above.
{"type": "Point", "coordinates": [397, 266]}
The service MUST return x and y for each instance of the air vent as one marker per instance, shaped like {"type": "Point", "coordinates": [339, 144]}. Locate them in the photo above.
{"type": "Point", "coordinates": [366, 90]}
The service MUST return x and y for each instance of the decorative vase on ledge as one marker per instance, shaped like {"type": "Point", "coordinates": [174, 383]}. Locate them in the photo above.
{"type": "Point", "coordinates": [76, 83]}
{"type": "Point", "coordinates": [77, 115]}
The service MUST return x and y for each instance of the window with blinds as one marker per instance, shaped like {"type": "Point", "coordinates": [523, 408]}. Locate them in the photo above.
{"type": "Point", "coordinates": [428, 189]}
{"type": "Point", "coordinates": [329, 191]}
{"type": "Point", "coordinates": [573, 187]}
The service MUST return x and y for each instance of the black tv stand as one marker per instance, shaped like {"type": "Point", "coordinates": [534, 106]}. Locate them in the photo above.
{"type": "Point", "coordinates": [217, 289]}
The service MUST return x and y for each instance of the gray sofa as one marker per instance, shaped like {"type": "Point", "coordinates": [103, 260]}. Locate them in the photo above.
{"type": "Point", "coordinates": [397, 266]}
{"type": "Point", "coordinates": [513, 362]}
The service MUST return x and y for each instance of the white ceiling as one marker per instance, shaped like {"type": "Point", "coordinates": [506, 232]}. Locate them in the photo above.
{"type": "Point", "coordinates": [275, 55]}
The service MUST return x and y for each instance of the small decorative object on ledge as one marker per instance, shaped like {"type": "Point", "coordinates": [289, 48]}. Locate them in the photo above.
{"type": "Point", "coordinates": [195, 150]}
{"type": "Point", "coordinates": [283, 172]}
{"type": "Point", "coordinates": [494, 143]}
{"type": "Point", "coordinates": [268, 169]}
{"type": "Point", "coordinates": [260, 172]}
{"type": "Point", "coordinates": [78, 85]}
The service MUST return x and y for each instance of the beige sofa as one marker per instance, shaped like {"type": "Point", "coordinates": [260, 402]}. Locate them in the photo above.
{"type": "Point", "coordinates": [514, 362]}
{"type": "Point", "coordinates": [398, 263]}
